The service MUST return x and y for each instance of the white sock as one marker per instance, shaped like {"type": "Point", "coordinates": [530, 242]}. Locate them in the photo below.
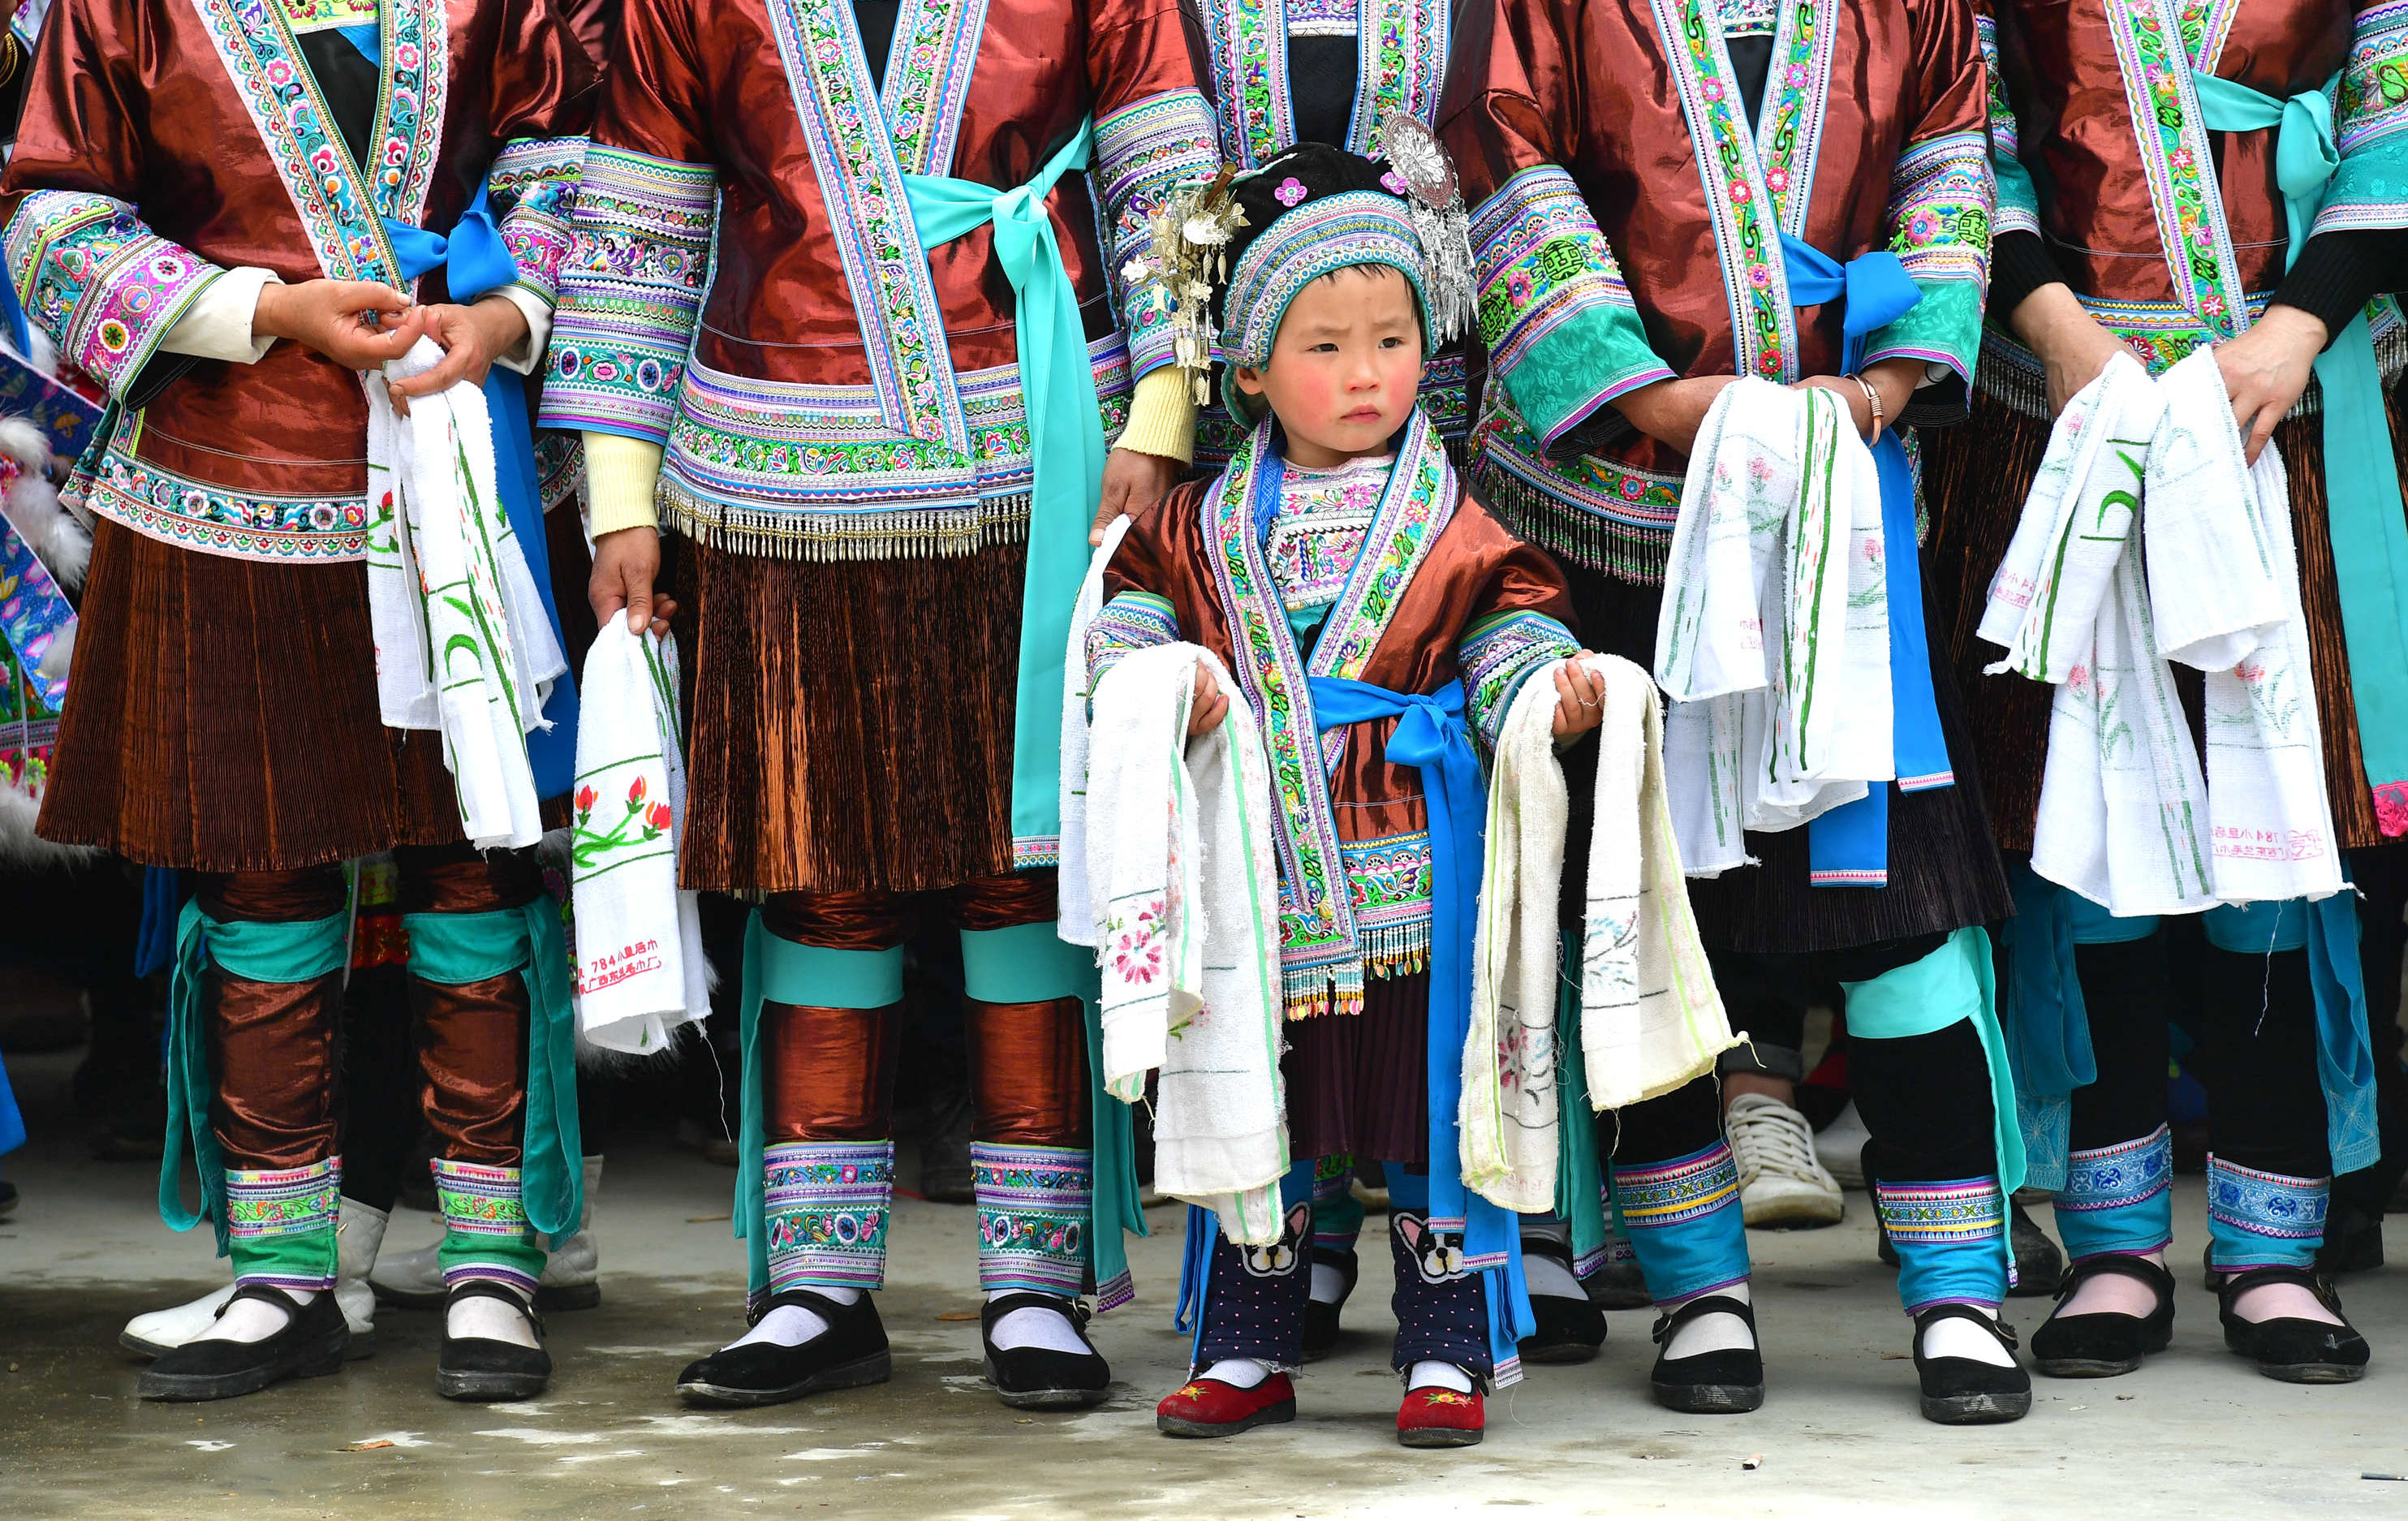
{"type": "Point", "coordinates": [1238, 1372]}
{"type": "Point", "coordinates": [1545, 1275]}
{"type": "Point", "coordinates": [792, 1324]}
{"type": "Point", "coordinates": [1429, 1374]}
{"type": "Point", "coordinates": [1328, 1284]}
{"type": "Point", "coordinates": [1715, 1332]}
{"type": "Point", "coordinates": [1033, 1326]}
{"type": "Point", "coordinates": [2115, 1294]}
{"type": "Point", "coordinates": [254, 1320]}
{"type": "Point", "coordinates": [1953, 1337]}
{"type": "Point", "coordinates": [489, 1320]}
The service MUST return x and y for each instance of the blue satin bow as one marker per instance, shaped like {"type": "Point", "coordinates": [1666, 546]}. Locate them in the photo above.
{"type": "Point", "coordinates": [1849, 846]}
{"type": "Point", "coordinates": [1431, 735]}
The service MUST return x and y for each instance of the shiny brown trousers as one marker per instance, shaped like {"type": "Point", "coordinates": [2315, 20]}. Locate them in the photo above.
{"type": "Point", "coordinates": [273, 1045]}
{"type": "Point", "coordinates": [831, 1072]}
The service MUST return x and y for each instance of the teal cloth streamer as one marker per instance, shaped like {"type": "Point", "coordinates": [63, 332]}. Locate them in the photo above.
{"type": "Point", "coordinates": [1580, 1182]}
{"type": "Point", "coordinates": [2044, 1023]}
{"type": "Point", "coordinates": [1926, 996]}
{"type": "Point", "coordinates": [1066, 446]}
{"type": "Point", "coordinates": [456, 948]}
{"type": "Point", "coordinates": [297, 952]}
{"type": "Point", "coordinates": [1030, 964]}
{"type": "Point", "coordinates": [2327, 929]}
{"type": "Point", "coordinates": [2369, 526]}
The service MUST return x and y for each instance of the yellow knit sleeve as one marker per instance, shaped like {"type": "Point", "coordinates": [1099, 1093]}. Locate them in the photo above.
{"type": "Point", "coordinates": [1162, 417]}
{"type": "Point", "coordinates": [620, 473]}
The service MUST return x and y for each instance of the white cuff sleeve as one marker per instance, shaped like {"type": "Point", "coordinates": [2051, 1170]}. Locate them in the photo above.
{"type": "Point", "coordinates": [217, 326]}
{"type": "Point", "coordinates": [529, 353]}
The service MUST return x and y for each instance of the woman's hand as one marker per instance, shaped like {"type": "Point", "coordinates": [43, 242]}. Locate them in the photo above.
{"type": "Point", "coordinates": [2267, 367]}
{"type": "Point", "coordinates": [1580, 697]}
{"type": "Point", "coordinates": [472, 337]}
{"type": "Point", "coordinates": [625, 565]}
{"type": "Point", "coordinates": [1133, 481]}
{"type": "Point", "coordinates": [2069, 340]}
{"type": "Point", "coordinates": [358, 323]}
{"type": "Point", "coordinates": [1211, 706]}
{"type": "Point", "coordinates": [1669, 411]}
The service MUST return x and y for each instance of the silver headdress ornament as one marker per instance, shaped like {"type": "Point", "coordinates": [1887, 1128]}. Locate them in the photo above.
{"type": "Point", "coordinates": [1443, 227]}
{"type": "Point", "coordinates": [1187, 258]}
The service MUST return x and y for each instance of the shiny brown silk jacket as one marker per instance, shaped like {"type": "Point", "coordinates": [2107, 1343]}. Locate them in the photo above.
{"type": "Point", "coordinates": [143, 171]}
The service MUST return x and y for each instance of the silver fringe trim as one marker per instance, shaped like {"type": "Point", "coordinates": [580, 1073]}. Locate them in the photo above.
{"type": "Point", "coordinates": [901, 533]}
{"type": "Point", "coordinates": [1592, 542]}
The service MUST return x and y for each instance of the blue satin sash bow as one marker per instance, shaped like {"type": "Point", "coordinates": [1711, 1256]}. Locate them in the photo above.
{"type": "Point", "coordinates": [1431, 735]}
{"type": "Point", "coordinates": [2370, 529]}
{"type": "Point", "coordinates": [1849, 846]}
{"type": "Point", "coordinates": [476, 261]}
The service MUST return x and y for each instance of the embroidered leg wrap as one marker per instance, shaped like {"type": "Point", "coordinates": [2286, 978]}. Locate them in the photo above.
{"type": "Point", "coordinates": [263, 1072]}
{"type": "Point", "coordinates": [1255, 1296]}
{"type": "Point", "coordinates": [1033, 1204]}
{"type": "Point", "coordinates": [1337, 1213]}
{"type": "Point", "coordinates": [2119, 1199]}
{"type": "Point", "coordinates": [1682, 1221]}
{"type": "Point", "coordinates": [827, 1203]}
{"type": "Point", "coordinates": [1441, 1307]}
{"type": "Point", "coordinates": [2263, 1219]}
{"type": "Point", "coordinates": [1951, 1240]}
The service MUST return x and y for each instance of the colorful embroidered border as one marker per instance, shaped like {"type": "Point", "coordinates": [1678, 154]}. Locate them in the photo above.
{"type": "Point", "coordinates": [2119, 1177]}
{"type": "Point", "coordinates": [814, 472]}
{"type": "Point", "coordinates": [1355, 227]}
{"type": "Point", "coordinates": [2014, 214]}
{"type": "Point", "coordinates": [1763, 324]}
{"type": "Point", "coordinates": [1941, 201]}
{"type": "Point", "coordinates": [2172, 141]}
{"type": "Point", "coordinates": [1388, 884]}
{"type": "Point", "coordinates": [928, 78]}
{"type": "Point", "coordinates": [1675, 1193]}
{"type": "Point", "coordinates": [1034, 1205]}
{"type": "Point", "coordinates": [1247, 43]}
{"type": "Point", "coordinates": [1496, 653]}
{"type": "Point", "coordinates": [2266, 1206]}
{"type": "Point", "coordinates": [1132, 621]}
{"type": "Point", "coordinates": [1917, 1214]}
{"type": "Point", "coordinates": [1401, 48]}
{"type": "Point", "coordinates": [533, 187]}
{"type": "Point", "coordinates": [98, 282]}
{"type": "Point", "coordinates": [1400, 66]}
{"type": "Point", "coordinates": [1789, 124]}
{"type": "Point", "coordinates": [478, 1200]}
{"type": "Point", "coordinates": [1597, 512]}
{"type": "Point", "coordinates": [2204, 25]}
{"type": "Point", "coordinates": [325, 15]}
{"type": "Point", "coordinates": [1144, 152]}
{"type": "Point", "coordinates": [825, 1210]}
{"type": "Point", "coordinates": [630, 293]}
{"type": "Point", "coordinates": [2370, 190]}
{"type": "Point", "coordinates": [1541, 262]}
{"type": "Point", "coordinates": [869, 216]}
{"type": "Point", "coordinates": [282, 1201]}
{"type": "Point", "coordinates": [176, 509]}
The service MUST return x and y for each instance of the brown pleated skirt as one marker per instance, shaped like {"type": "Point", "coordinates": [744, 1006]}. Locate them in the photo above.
{"type": "Point", "coordinates": [222, 716]}
{"type": "Point", "coordinates": [1359, 1083]}
{"type": "Point", "coordinates": [1975, 477]}
{"type": "Point", "coordinates": [1945, 872]}
{"type": "Point", "coordinates": [852, 720]}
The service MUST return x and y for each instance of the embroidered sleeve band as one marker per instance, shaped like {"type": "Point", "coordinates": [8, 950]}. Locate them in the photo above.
{"type": "Point", "coordinates": [102, 285]}
{"type": "Point", "coordinates": [1130, 621]}
{"type": "Point", "coordinates": [2018, 202]}
{"type": "Point", "coordinates": [630, 294]}
{"type": "Point", "coordinates": [1561, 329]}
{"type": "Point", "coordinates": [533, 194]}
{"type": "Point", "coordinates": [1143, 152]}
{"type": "Point", "coordinates": [1942, 201]}
{"type": "Point", "coordinates": [2370, 189]}
{"type": "Point", "coordinates": [1499, 654]}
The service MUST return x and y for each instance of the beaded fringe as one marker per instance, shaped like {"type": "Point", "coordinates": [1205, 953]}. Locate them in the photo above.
{"type": "Point", "coordinates": [901, 533]}
{"type": "Point", "coordinates": [1392, 950]}
{"type": "Point", "coordinates": [1620, 550]}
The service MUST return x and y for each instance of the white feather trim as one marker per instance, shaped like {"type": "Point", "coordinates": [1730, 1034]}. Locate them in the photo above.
{"type": "Point", "coordinates": [20, 849]}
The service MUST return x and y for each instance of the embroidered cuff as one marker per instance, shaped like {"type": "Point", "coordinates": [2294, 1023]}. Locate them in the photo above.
{"type": "Point", "coordinates": [1162, 418]}
{"type": "Point", "coordinates": [620, 475]}
{"type": "Point", "coordinates": [93, 277]}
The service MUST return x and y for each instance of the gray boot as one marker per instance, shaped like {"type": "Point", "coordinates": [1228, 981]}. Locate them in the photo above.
{"type": "Point", "coordinates": [414, 1280]}
{"type": "Point", "coordinates": [358, 1232]}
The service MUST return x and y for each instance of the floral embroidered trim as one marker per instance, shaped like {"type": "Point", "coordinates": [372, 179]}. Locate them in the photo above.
{"type": "Point", "coordinates": [2119, 1177]}
{"type": "Point", "coordinates": [926, 79]}
{"type": "Point", "coordinates": [2017, 212]}
{"type": "Point", "coordinates": [1679, 1191]}
{"type": "Point", "coordinates": [1789, 127]}
{"type": "Point", "coordinates": [282, 1201]}
{"type": "Point", "coordinates": [533, 186]}
{"type": "Point", "coordinates": [1249, 56]}
{"type": "Point", "coordinates": [630, 293]}
{"type": "Point", "coordinates": [2265, 1204]}
{"type": "Point", "coordinates": [1496, 653]}
{"type": "Point", "coordinates": [478, 1200]}
{"type": "Point", "coordinates": [99, 283]}
{"type": "Point", "coordinates": [1132, 621]}
{"type": "Point", "coordinates": [1401, 50]}
{"type": "Point", "coordinates": [1034, 1206]}
{"type": "Point", "coordinates": [320, 15]}
{"type": "Point", "coordinates": [33, 616]}
{"type": "Point", "coordinates": [1940, 200]}
{"type": "Point", "coordinates": [2373, 101]}
{"type": "Point", "coordinates": [825, 1208]}
{"type": "Point", "coordinates": [2172, 141]}
{"type": "Point", "coordinates": [1143, 152]}
{"type": "Point", "coordinates": [195, 514]}
{"type": "Point", "coordinates": [1388, 884]}
{"type": "Point", "coordinates": [1541, 262]}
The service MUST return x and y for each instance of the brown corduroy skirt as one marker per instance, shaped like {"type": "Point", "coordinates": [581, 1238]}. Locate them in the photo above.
{"type": "Point", "coordinates": [1975, 477]}
{"type": "Point", "coordinates": [852, 720]}
{"type": "Point", "coordinates": [1359, 1083]}
{"type": "Point", "coordinates": [222, 716]}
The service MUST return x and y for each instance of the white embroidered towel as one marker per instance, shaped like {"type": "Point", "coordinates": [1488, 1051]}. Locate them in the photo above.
{"type": "Point", "coordinates": [1508, 1112]}
{"type": "Point", "coordinates": [1651, 1016]}
{"type": "Point", "coordinates": [462, 643]}
{"type": "Point", "coordinates": [2224, 577]}
{"type": "Point", "coordinates": [1075, 918]}
{"type": "Point", "coordinates": [640, 967]}
{"type": "Point", "coordinates": [1775, 603]}
{"type": "Point", "coordinates": [1185, 907]}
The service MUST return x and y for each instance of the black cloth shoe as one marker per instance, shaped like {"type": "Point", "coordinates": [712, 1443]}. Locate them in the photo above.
{"type": "Point", "coordinates": [2291, 1348]}
{"type": "Point", "coordinates": [1568, 1330]}
{"type": "Point", "coordinates": [1618, 1285]}
{"type": "Point", "coordinates": [486, 1367]}
{"type": "Point", "coordinates": [1321, 1320]}
{"type": "Point", "coordinates": [850, 1352]}
{"type": "Point", "coordinates": [1729, 1381]}
{"type": "Point", "coordinates": [2102, 1343]}
{"type": "Point", "coordinates": [1040, 1378]}
{"type": "Point", "coordinates": [310, 1345]}
{"type": "Point", "coordinates": [2039, 1263]}
{"type": "Point", "coordinates": [1967, 1391]}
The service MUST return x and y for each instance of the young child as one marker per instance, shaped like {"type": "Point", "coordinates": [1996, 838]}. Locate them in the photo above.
{"type": "Point", "coordinates": [1340, 571]}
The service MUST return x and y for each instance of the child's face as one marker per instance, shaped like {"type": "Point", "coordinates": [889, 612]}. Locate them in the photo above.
{"type": "Point", "coordinates": [1345, 366]}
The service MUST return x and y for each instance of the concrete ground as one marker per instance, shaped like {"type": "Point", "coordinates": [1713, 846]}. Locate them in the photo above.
{"type": "Point", "coordinates": [2195, 1432]}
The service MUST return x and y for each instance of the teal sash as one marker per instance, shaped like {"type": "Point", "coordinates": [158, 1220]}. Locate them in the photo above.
{"type": "Point", "coordinates": [1066, 446]}
{"type": "Point", "coordinates": [2370, 530]}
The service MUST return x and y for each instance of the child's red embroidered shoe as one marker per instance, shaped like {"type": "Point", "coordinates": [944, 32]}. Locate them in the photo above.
{"type": "Point", "coordinates": [1206, 1407]}
{"type": "Point", "coordinates": [1441, 1418]}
